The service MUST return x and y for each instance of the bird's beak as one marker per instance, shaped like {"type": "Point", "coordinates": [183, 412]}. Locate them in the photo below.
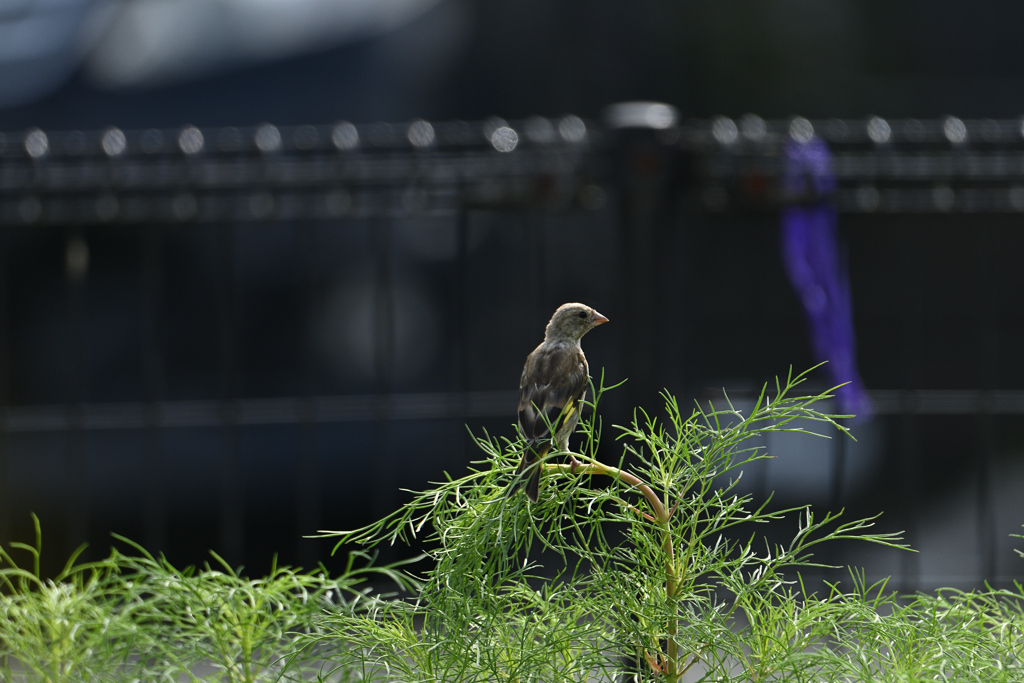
{"type": "Point", "coordinates": [599, 319]}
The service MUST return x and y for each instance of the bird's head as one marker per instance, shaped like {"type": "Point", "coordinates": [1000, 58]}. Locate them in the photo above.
{"type": "Point", "coordinates": [572, 321]}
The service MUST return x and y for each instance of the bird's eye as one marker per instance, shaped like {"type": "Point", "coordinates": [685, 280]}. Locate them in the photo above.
{"type": "Point", "coordinates": [582, 315]}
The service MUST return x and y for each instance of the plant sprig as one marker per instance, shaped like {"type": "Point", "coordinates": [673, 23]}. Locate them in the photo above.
{"type": "Point", "coordinates": [637, 561]}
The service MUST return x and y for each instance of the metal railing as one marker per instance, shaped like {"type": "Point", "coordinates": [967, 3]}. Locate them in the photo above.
{"type": "Point", "coordinates": [633, 185]}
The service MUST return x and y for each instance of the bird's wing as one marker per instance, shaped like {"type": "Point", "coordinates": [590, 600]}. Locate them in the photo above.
{"type": "Point", "coordinates": [553, 381]}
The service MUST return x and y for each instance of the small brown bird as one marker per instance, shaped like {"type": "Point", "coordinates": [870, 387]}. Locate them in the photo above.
{"type": "Point", "coordinates": [553, 383]}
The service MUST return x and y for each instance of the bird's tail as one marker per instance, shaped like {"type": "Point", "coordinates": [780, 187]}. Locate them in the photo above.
{"type": "Point", "coordinates": [531, 459]}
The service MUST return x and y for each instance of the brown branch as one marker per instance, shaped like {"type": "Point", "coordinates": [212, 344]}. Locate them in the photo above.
{"type": "Point", "coordinates": [661, 518]}
{"type": "Point", "coordinates": [658, 670]}
{"type": "Point", "coordinates": [660, 515]}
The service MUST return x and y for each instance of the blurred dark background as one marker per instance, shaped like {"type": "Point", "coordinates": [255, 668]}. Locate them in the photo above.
{"type": "Point", "coordinates": [203, 316]}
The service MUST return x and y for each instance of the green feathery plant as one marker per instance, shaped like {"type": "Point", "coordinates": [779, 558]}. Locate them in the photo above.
{"type": "Point", "coordinates": [637, 573]}
{"type": "Point", "coordinates": [242, 630]}
{"type": "Point", "coordinates": [643, 566]}
{"type": "Point", "coordinates": [136, 617]}
{"type": "Point", "coordinates": [69, 628]}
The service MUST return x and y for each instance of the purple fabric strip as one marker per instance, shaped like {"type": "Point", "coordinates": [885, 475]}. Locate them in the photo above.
{"type": "Point", "coordinates": [810, 252]}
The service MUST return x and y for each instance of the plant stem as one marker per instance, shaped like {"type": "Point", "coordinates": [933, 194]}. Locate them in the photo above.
{"type": "Point", "coordinates": [660, 514]}
{"type": "Point", "coordinates": [662, 519]}
{"type": "Point", "coordinates": [671, 588]}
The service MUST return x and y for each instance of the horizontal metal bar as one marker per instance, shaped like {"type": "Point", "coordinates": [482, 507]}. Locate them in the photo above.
{"type": "Point", "coordinates": [255, 205]}
{"type": "Point", "coordinates": [425, 406]}
{"type": "Point", "coordinates": [890, 166]}
{"type": "Point", "coordinates": [952, 402]}
{"type": "Point", "coordinates": [260, 411]}
{"type": "Point", "coordinates": [269, 141]}
{"type": "Point", "coordinates": [283, 172]}
{"type": "Point", "coordinates": [906, 402]}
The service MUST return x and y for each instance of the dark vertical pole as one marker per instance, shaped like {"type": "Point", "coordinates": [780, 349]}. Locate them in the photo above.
{"type": "Point", "coordinates": [840, 442]}
{"type": "Point", "coordinates": [986, 519]}
{"type": "Point", "coordinates": [672, 286]}
{"type": "Point", "coordinates": [645, 173]}
{"type": "Point", "coordinates": [988, 348]}
{"type": "Point", "coordinates": [383, 335]}
{"type": "Point", "coordinates": [638, 277]}
{"type": "Point", "coordinates": [837, 484]}
{"type": "Point", "coordinates": [833, 554]}
{"type": "Point", "coordinates": [155, 513]}
{"type": "Point", "coordinates": [907, 459]}
{"type": "Point", "coordinates": [76, 261]}
{"type": "Point", "coordinates": [232, 514]}
{"type": "Point", "coordinates": [5, 387]}
{"type": "Point", "coordinates": [463, 362]}
{"type": "Point", "coordinates": [536, 244]}
{"type": "Point", "coordinates": [308, 491]}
